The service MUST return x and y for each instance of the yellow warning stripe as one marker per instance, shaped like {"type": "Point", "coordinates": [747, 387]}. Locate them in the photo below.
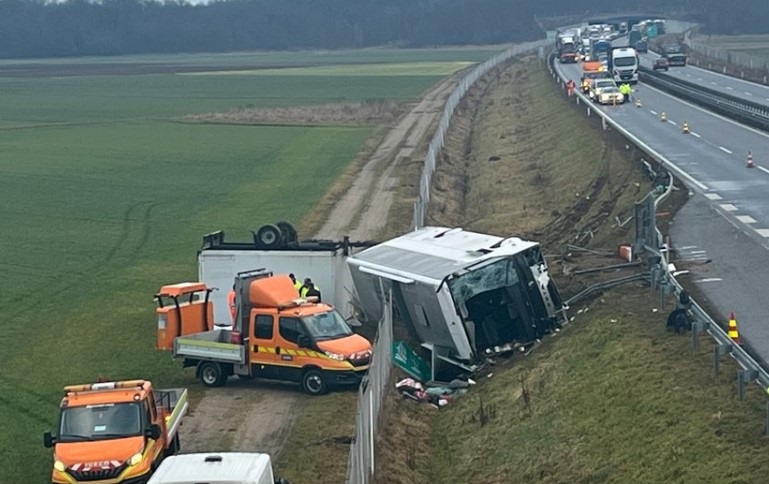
{"type": "Point", "coordinates": [288, 351]}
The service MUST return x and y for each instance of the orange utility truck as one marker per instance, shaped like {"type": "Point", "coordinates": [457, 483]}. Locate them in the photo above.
{"type": "Point", "coordinates": [276, 335]}
{"type": "Point", "coordinates": [592, 70]}
{"type": "Point", "coordinates": [115, 432]}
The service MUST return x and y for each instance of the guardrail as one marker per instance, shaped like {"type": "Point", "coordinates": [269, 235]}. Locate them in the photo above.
{"type": "Point", "coordinates": [660, 276]}
{"type": "Point", "coordinates": [748, 112]}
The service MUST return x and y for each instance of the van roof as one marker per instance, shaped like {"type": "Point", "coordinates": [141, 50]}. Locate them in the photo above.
{"type": "Point", "coordinates": [215, 468]}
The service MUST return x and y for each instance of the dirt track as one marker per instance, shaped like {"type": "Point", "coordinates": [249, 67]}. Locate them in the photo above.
{"type": "Point", "coordinates": [266, 410]}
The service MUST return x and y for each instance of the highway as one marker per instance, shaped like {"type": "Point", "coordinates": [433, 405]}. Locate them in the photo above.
{"type": "Point", "coordinates": [727, 218]}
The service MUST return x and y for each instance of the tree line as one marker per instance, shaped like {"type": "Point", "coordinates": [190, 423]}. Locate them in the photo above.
{"type": "Point", "coordinates": [36, 28]}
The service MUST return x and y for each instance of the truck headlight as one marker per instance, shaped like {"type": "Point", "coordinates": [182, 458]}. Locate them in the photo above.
{"type": "Point", "coordinates": [135, 459]}
{"type": "Point", "coordinates": [335, 356]}
{"type": "Point", "coordinates": [59, 466]}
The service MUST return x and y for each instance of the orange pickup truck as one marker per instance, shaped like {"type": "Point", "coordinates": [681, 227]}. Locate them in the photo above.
{"type": "Point", "coordinates": [276, 335]}
{"type": "Point", "coordinates": [115, 432]}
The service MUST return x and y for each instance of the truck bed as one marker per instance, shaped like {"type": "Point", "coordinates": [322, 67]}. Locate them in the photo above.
{"type": "Point", "coordinates": [175, 401]}
{"type": "Point", "coordinates": [210, 345]}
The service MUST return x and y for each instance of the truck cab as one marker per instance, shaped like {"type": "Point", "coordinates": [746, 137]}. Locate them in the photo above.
{"type": "Point", "coordinates": [218, 468]}
{"type": "Point", "coordinates": [115, 432]}
{"type": "Point", "coordinates": [278, 335]}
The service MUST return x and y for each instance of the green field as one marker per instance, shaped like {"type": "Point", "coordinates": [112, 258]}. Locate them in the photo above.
{"type": "Point", "coordinates": [756, 45]}
{"type": "Point", "coordinates": [106, 195]}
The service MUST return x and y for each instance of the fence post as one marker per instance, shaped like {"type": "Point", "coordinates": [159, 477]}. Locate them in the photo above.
{"type": "Point", "coordinates": [718, 350]}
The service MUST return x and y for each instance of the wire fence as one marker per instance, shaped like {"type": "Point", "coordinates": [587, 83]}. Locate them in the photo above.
{"type": "Point", "coordinates": [437, 142]}
{"type": "Point", "coordinates": [360, 465]}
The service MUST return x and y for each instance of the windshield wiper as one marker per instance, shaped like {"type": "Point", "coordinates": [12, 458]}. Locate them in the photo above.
{"type": "Point", "coordinates": [115, 436]}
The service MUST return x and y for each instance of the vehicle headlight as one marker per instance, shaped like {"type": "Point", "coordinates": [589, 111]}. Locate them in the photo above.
{"type": "Point", "coordinates": [335, 356]}
{"type": "Point", "coordinates": [59, 466]}
{"type": "Point", "coordinates": [135, 459]}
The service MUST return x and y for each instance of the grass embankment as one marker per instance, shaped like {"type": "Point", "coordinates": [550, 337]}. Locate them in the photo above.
{"type": "Point", "coordinates": [613, 397]}
{"type": "Point", "coordinates": [106, 197]}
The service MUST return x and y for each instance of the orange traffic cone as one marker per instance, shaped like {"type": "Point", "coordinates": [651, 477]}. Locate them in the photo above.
{"type": "Point", "coordinates": [734, 335]}
{"type": "Point", "coordinates": [750, 160]}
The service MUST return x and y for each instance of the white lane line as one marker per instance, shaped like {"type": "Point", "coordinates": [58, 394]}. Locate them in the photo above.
{"type": "Point", "coordinates": [687, 247]}
{"type": "Point", "coordinates": [746, 219]}
{"type": "Point", "coordinates": [763, 232]}
{"type": "Point", "coordinates": [713, 83]}
{"type": "Point", "coordinates": [762, 169]}
{"type": "Point", "coordinates": [695, 134]}
{"type": "Point", "coordinates": [713, 196]}
{"type": "Point", "coordinates": [709, 279]}
{"type": "Point", "coordinates": [749, 94]}
{"type": "Point", "coordinates": [672, 122]}
{"type": "Point", "coordinates": [699, 78]}
{"type": "Point", "coordinates": [767, 99]}
{"type": "Point", "coordinates": [724, 150]}
{"type": "Point", "coordinates": [730, 88]}
{"type": "Point", "coordinates": [728, 207]}
{"type": "Point", "coordinates": [653, 112]}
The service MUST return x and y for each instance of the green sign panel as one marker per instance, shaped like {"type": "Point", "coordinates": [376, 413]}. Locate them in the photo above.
{"type": "Point", "coordinates": [651, 31]}
{"type": "Point", "coordinates": [409, 361]}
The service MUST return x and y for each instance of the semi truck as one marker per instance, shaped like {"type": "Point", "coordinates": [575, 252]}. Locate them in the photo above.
{"type": "Point", "coordinates": [218, 468]}
{"type": "Point", "coordinates": [275, 335]}
{"type": "Point", "coordinates": [623, 65]}
{"type": "Point", "coordinates": [115, 432]}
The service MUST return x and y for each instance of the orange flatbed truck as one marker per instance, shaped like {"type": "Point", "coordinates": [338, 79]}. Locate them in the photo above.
{"type": "Point", "coordinates": [115, 432]}
{"type": "Point", "coordinates": [276, 335]}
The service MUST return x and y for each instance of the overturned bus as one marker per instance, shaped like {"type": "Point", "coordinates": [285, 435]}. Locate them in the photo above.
{"type": "Point", "coordinates": [461, 292]}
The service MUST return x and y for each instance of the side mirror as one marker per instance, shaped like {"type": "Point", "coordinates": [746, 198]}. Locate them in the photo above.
{"type": "Point", "coordinates": [303, 341]}
{"type": "Point", "coordinates": [153, 431]}
{"type": "Point", "coordinates": [49, 440]}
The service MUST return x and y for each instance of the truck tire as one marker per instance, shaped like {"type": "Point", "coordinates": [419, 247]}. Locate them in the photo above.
{"type": "Point", "coordinates": [211, 374]}
{"type": "Point", "coordinates": [268, 237]}
{"type": "Point", "coordinates": [288, 231]}
{"type": "Point", "coordinates": [314, 382]}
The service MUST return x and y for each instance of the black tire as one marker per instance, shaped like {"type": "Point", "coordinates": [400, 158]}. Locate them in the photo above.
{"type": "Point", "coordinates": [211, 374]}
{"type": "Point", "coordinates": [269, 237]}
{"type": "Point", "coordinates": [314, 382]}
{"type": "Point", "coordinates": [288, 230]}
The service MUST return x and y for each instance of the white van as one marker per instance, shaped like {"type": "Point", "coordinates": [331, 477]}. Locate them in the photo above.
{"type": "Point", "coordinates": [218, 468]}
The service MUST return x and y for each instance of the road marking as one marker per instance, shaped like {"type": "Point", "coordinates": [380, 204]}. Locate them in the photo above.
{"type": "Point", "coordinates": [729, 207]}
{"type": "Point", "coordinates": [699, 78]}
{"type": "Point", "coordinates": [672, 122]}
{"type": "Point", "coordinates": [653, 112]}
{"type": "Point", "coordinates": [713, 83]}
{"type": "Point", "coordinates": [763, 232]}
{"type": "Point", "coordinates": [746, 219]}
{"type": "Point", "coordinates": [710, 279]}
{"type": "Point", "coordinates": [724, 150]}
{"type": "Point", "coordinates": [762, 169]}
{"type": "Point", "coordinates": [730, 88]}
{"type": "Point", "coordinates": [713, 196]}
{"type": "Point", "coordinates": [749, 94]}
{"type": "Point", "coordinates": [695, 134]}
{"type": "Point", "coordinates": [687, 247]}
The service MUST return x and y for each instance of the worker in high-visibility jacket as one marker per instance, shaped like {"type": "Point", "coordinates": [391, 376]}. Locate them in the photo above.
{"type": "Point", "coordinates": [626, 90]}
{"type": "Point", "coordinates": [297, 284]}
{"type": "Point", "coordinates": [309, 289]}
{"type": "Point", "coordinates": [585, 85]}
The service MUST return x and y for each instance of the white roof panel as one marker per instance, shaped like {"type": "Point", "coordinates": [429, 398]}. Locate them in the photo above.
{"type": "Point", "coordinates": [213, 468]}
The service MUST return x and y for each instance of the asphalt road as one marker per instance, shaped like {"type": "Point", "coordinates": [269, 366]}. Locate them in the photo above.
{"type": "Point", "coordinates": [727, 219]}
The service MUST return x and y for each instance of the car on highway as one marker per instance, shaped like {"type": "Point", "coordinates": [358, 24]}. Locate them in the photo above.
{"type": "Point", "coordinates": [610, 95]}
{"type": "Point", "coordinates": [641, 47]}
{"type": "Point", "coordinates": [598, 85]}
{"type": "Point", "coordinates": [661, 63]}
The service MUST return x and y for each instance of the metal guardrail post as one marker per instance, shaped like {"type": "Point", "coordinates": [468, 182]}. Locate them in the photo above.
{"type": "Point", "coordinates": [697, 328]}
{"type": "Point", "coordinates": [743, 377]}
{"type": "Point", "coordinates": [718, 350]}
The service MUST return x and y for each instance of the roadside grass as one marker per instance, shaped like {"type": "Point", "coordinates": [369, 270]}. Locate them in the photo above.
{"type": "Point", "coordinates": [106, 199]}
{"type": "Point", "coordinates": [380, 70]}
{"type": "Point", "coordinates": [613, 398]}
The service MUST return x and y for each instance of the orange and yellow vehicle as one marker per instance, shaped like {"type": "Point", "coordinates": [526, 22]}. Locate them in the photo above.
{"type": "Point", "coordinates": [115, 432]}
{"type": "Point", "coordinates": [276, 335]}
{"type": "Point", "coordinates": [592, 70]}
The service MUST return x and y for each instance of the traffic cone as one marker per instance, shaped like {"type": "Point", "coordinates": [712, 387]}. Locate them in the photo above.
{"type": "Point", "coordinates": [638, 103]}
{"type": "Point", "coordinates": [663, 116]}
{"type": "Point", "coordinates": [750, 160]}
{"type": "Point", "coordinates": [686, 127]}
{"type": "Point", "coordinates": [734, 335]}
